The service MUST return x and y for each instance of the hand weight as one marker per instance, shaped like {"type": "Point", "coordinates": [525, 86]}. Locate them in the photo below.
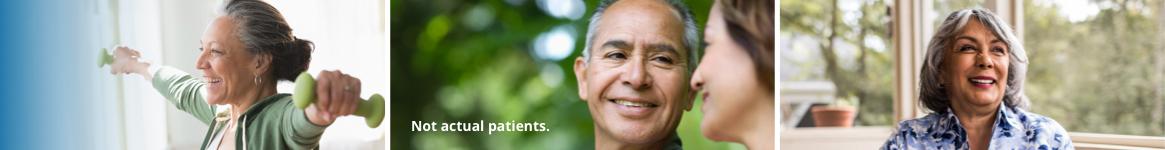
{"type": "Point", "coordinates": [372, 109]}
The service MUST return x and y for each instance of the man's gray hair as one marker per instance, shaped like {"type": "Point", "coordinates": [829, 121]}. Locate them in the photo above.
{"type": "Point", "coordinates": [691, 32]}
{"type": "Point", "coordinates": [934, 96]}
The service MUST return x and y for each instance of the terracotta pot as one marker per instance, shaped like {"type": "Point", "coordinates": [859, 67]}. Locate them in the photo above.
{"type": "Point", "coordinates": [834, 116]}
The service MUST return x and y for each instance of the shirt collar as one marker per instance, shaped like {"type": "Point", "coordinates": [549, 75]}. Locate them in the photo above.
{"type": "Point", "coordinates": [1005, 115]}
{"type": "Point", "coordinates": [1006, 121]}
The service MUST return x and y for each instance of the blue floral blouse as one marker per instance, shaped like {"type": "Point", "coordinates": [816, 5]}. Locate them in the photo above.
{"type": "Point", "coordinates": [1014, 129]}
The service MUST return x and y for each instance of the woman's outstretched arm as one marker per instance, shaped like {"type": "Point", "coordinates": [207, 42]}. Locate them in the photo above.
{"type": "Point", "coordinates": [180, 88]}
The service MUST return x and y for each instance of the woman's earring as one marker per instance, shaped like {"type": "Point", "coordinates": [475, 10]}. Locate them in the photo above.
{"type": "Point", "coordinates": [258, 80]}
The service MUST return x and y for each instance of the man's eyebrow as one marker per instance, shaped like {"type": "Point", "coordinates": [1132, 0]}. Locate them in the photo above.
{"type": "Point", "coordinates": [663, 47]}
{"type": "Point", "coordinates": [617, 44]}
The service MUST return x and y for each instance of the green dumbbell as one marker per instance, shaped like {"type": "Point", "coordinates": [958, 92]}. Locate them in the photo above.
{"type": "Point", "coordinates": [372, 109]}
{"type": "Point", "coordinates": [104, 59]}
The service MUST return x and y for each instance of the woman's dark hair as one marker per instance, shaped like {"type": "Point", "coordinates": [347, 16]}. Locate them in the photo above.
{"type": "Point", "coordinates": [263, 31]}
{"type": "Point", "coordinates": [750, 24]}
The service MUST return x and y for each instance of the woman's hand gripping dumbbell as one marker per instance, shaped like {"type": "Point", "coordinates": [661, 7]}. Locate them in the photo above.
{"type": "Point", "coordinates": [305, 94]}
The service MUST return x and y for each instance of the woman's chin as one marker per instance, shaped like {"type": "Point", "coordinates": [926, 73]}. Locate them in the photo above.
{"type": "Point", "coordinates": [985, 100]}
{"type": "Point", "coordinates": [714, 135]}
{"type": "Point", "coordinates": [713, 130]}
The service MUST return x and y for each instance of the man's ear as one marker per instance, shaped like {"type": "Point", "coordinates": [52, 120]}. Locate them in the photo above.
{"type": "Point", "coordinates": [580, 72]}
{"type": "Point", "coordinates": [691, 100]}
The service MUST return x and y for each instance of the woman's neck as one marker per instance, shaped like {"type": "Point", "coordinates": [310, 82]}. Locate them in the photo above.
{"type": "Point", "coordinates": [975, 117]}
{"type": "Point", "coordinates": [249, 98]}
{"type": "Point", "coordinates": [757, 127]}
{"type": "Point", "coordinates": [977, 121]}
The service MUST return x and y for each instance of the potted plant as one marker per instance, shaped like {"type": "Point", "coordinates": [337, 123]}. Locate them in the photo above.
{"type": "Point", "coordinates": [839, 114]}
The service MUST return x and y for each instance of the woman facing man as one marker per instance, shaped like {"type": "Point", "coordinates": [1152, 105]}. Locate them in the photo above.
{"type": "Point", "coordinates": [638, 72]}
{"type": "Point", "coordinates": [736, 73]}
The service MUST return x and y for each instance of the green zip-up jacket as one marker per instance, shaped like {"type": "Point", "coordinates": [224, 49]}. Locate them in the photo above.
{"type": "Point", "coordinates": [271, 123]}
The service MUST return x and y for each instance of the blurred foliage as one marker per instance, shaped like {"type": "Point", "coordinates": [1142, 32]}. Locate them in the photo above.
{"type": "Point", "coordinates": [849, 47]}
{"type": "Point", "coordinates": [465, 61]}
{"type": "Point", "coordinates": [1103, 74]}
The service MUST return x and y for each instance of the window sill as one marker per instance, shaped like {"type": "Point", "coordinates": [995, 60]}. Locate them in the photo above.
{"type": "Point", "coordinates": [1114, 141]}
{"type": "Point", "coordinates": [835, 138]}
{"type": "Point", "coordinates": [874, 136]}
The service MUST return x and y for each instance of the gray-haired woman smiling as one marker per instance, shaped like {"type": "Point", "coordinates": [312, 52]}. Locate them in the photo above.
{"type": "Point", "coordinates": [245, 51]}
{"type": "Point", "coordinates": [972, 79]}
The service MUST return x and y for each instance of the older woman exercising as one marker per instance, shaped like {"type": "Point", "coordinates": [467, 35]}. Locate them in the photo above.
{"type": "Point", "coordinates": [244, 52]}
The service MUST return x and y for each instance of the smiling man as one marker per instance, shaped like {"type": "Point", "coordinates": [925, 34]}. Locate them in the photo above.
{"type": "Point", "coordinates": [634, 72]}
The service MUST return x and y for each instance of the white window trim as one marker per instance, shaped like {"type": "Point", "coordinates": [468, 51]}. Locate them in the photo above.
{"type": "Point", "coordinates": [908, 51]}
{"type": "Point", "coordinates": [1115, 141]}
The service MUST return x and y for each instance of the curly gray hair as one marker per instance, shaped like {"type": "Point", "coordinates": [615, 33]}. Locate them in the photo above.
{"type": "Point", "coordinates": [934, 96]}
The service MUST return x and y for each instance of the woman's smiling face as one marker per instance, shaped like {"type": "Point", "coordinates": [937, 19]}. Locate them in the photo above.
{"type": "Point", "coordinates": [228, 68]}
{"type": "Point", "coordinates": [975, 67]}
